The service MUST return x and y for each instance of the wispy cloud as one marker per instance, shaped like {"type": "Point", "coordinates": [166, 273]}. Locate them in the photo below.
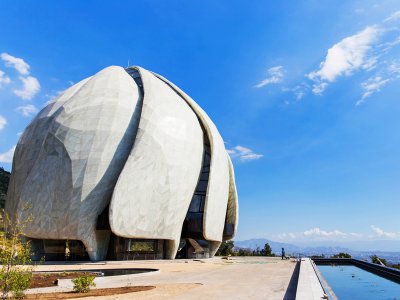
{"type": "Point", "coordinates": [27, 110]}
{"type": "Point", "coordinates": [4, 79]}
{"type": "Point", "coordinates": [346, 57]}
{"type": "Point", "coordinates": [393, 17]}
{"type": "Point", "coordinates": [300, 90]}
{"type": "Point", "coordinates": [380, 233]}
{"type": "Point", "coordinates": [285, 236]}
{"type": "Point", "coordinates": [3, 122]}
{"type": "Point", "coordinates": [366, 51]}
{"type": "Point", "coordinates": [243, 154]}
{"type": "Point", "coordinates": [7, 156]}
{"type": "Point", "coordinates": [15, 62]}
{"type": "Point", "coordinates": [317, 232]}
{"type": "Point", "coordinates": [30, 87]}
{"type": "Point", "coordinates": [274, 75]}
{"type": "Point", "coordinates": [371, 86]}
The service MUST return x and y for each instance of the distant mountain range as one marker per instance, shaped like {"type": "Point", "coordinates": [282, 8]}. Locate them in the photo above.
{"type": "Point", "coordinates": [291, 249]}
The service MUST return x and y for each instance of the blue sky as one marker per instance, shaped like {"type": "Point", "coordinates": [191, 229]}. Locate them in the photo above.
{"type": "Point", "coordinates": [304, 93]}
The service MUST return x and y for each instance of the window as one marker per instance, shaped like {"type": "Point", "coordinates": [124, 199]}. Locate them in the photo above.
{"type": "Point", "coordinates": [142, 245]}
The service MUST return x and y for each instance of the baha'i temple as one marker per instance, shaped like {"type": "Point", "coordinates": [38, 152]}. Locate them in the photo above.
{"type": "Point", "coordinates": [123, 165]}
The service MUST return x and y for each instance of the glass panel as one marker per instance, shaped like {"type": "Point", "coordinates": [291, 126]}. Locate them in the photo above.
{"type": "Point", "coordinates": [202, 186]}
{"type": "Point", "coordinates": [207, 159]}
{"type": "Point", "coordinates": [142, 246]}
{"type": "Point", "coordinates": [204, 176]}
{"type": "Point", "coordinates": [195, 204]}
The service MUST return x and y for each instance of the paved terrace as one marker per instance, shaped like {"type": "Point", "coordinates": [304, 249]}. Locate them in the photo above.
{"type": "Point", "coordinates": [238, 278]}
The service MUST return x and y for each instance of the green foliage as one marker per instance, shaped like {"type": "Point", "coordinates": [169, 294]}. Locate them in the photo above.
{"type": "Point", "coordinates": [318, 256]}
{"type": "Point", "coordinates": [377, 260]}
{"type": "Point", "coordinates": [4, 181]}
{"type": "Point", "coordinates": [341, 255]}
{"type": "Point", "coordinates": [142, 246]}
{"type": "Point", "coordinates": [244, 252]}
{"type": "Point", "coordinates": [82, 284]}
{"type": "Point", "coordinates": [267, 251]}
{"type": "Point", "coordinates": [396, 266]}
{"type": "Point", "coordinates": [226, 248]}
{"type": "Point", "coordinates": [15, 259]}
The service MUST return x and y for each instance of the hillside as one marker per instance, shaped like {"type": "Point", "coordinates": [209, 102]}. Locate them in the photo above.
{"type": "Point", "coordinates": [4, 180]}
{"type": "Point", "coordinates": [276, 246]}
{"type": "Point", "coordinates": [290, 248]}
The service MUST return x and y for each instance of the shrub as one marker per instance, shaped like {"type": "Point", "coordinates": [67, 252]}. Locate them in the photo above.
{"type": "Point", "coordinates": [341, 255]}
{"type": "Point", "coordinates": [15, 258]}
{"type": "Point", "coordinates": [83, 283]}
{"type": "Point", "coordinates": [225, 249]}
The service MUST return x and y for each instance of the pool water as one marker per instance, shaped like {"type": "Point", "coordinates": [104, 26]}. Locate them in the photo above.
{"type": "Point", "coordinates": [351, 282]}
{"type": "Point", "coordinates": [116, 272]}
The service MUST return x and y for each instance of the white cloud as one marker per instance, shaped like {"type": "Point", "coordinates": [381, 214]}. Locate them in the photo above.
{"type": "Point", "coordinates": [30, 87]}
{"type": "Point", "coordinates": [319, 88]}
{"type": "Point", "coordinates": [27, 110]}
{"type": "Point", "coordinates": [346, 57]}
{"type": "Point", "coordinates": [3, 122]}
{"type": "Point", "coordinates": [394, 69]}
{"type": "Point", "coordinates": [354, 234]}
{"type": "Point", "coordinates": [4, 79]}
{"type": "Point", "coordinates": [285, 236]}
{"type": "Point", "coordinates": [317, 232]}
{"type": "Point", "coordinates": [243, 154]}
{"type": "Point", "coordinates": [275, 75]}
{"type": "Point", "coordinates": [394, 16]}
{"type": "Point", "coordinates": [384, 234]}
{"type": "Point", "coordinates": [300, 90]}
{"type": "Point", "coordinates": [7, 156]}
{"type": "Point", "coordinates": [371, 86]}
{"type": "Point", "coordinates": [17, 63]}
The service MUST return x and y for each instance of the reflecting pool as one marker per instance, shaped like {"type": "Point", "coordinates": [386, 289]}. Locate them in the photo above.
{"type": "Point", "coordinates": [351, 282]}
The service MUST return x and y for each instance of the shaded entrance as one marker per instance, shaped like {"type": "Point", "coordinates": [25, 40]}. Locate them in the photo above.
{"type": "Point", "coordinates": [58, 250]}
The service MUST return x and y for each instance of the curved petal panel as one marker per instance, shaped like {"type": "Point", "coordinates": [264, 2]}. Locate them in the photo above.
{"type": "Point", "coordinates": [218, 182]}
{"type": "Point", "coordinates": [232, 213]}
{"type": "Point", "coordinates": [154, 190]}
{"type": "Point", "coordinates": [30, 143]}
{"type": "Point", "coordinates": [81, 155]}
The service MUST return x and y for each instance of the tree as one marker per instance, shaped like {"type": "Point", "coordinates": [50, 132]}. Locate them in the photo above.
{"type": "Point", "coordinates": [267, 251]}
{"type": "Point", "coordinates": [245, 252]}
{"type": "Point", "coordinates": [4, 181]}
{"type": "Point", "coordinates": [377, 260]}
{"type": "Point", "coordinates": [225, 249]}
{"type": "Point", "coordinates": [15, 259]}
{"type": "Point", "coordinates": [341, 255]}
{"type": "Point", "coordinates": [257, 251]}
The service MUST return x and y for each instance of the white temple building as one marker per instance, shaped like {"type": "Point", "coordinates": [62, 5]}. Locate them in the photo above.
{"type": "Point", "coordinates": [123, 165]}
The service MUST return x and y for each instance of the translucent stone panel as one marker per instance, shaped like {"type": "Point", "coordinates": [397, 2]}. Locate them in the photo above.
{"type": "Point", "coordinates": [218, 183]}
{"type": "Point", "coordinates": [83, 147]}
{"type": "Point", "coordinates": [155, 187]}
{"type": "Point", "coordinates": [232, 214]}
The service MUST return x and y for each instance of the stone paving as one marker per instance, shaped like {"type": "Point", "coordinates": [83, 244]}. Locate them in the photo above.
{"type": "Point", "coordinates": [237, 278]}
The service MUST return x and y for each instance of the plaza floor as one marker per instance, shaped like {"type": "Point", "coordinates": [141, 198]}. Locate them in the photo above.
{"type": "Point", "coordinates": [237, 278]}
